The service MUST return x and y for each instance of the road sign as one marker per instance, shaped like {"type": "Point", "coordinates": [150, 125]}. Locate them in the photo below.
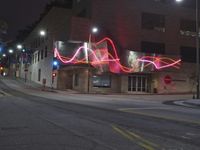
{"type": "Point", "coordinates": [168, 79]}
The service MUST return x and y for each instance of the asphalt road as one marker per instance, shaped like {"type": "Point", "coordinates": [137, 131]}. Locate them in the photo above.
{"type": "Point", "coordinates": [37, 121]}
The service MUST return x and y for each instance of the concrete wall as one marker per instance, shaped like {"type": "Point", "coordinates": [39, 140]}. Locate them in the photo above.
{"type": "Point", "coordinates": [183, 80]}
{"type": "Point", "coordinates": [56, 24]}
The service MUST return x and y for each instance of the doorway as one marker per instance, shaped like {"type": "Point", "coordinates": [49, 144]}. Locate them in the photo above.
{"type": "Point", "coordinates": [138, 83]}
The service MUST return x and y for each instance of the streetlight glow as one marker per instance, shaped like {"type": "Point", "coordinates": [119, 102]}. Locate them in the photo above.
{"type": "Point", "coordinates": [42, 33]}
{"type": "Point", "coordinates": [10, 51]}
{"type": "Point", "coordinates": [179, 1]}
{"type": "Point", "coordinates": [19, 46]}
{"type": "Point", "coordinates": [4, 55]}
{"type": "Point", "coordinates": [95, 30]}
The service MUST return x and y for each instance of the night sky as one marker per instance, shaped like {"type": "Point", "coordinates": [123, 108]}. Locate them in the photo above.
{"type": "Point", "coordinates": [20, 13]}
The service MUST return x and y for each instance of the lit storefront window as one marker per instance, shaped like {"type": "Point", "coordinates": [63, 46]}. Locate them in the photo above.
{"type": "Point", "coordinates": [102, 81]}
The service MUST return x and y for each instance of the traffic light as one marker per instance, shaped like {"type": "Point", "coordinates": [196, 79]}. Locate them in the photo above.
{"type": "Point", "coordinates": [55, 64]}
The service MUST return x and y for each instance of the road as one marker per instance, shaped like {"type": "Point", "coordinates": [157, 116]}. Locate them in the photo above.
{"type": "Point", "coordinates": [31, 119]}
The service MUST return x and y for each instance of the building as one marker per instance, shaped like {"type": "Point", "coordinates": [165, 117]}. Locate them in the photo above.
{"type": "Point", "coordinates": [142, 46]}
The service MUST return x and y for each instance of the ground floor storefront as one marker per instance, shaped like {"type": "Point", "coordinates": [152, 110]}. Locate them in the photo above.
{"type": "Point", "coordinates": [88, 81]}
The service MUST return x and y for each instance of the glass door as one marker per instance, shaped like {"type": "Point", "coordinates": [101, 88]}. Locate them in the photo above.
{"type": "Point", "coordinates": [137, 83]}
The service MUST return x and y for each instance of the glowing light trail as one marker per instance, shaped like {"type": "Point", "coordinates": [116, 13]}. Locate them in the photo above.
{"type": "Point", "coordinates": [114, 61]}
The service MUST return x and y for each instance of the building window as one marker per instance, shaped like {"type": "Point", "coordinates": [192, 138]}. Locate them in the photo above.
{"type": "Point", "coordinates": [188, 28]}
{"type": "Point", "coordinates": [76, 79]}
{"type": "Point", "coordinates": [153, 22]}
{"type": "Point", "coordinates": [188, 54]}
{"type": "Point", "coordinates": [38, 56]}
{"type": "Point", "coordinates": [152, 47]}
{"type": "Point", "coordinates": [42, 54]}
{"type": "Point", "coordinates": [162, 1]}
{"type": "Point", "coordinates": [39, 74]}
{"type": "Point", "coordinates": [35, 57]}
{"type": "Point", "coordinates": [83, 13]}
{"type": "Point", "coordinates": [103, 81]}
{"type": "Point", "coordinates": [45, 54]}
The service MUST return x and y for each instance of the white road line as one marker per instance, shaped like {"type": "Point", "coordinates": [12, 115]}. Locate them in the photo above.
{"type": "Point", "coordinates": [144, 108]}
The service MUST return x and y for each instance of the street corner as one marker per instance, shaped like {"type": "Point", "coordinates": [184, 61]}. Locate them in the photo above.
{"type": "Point", "coordinates": [191, 103]}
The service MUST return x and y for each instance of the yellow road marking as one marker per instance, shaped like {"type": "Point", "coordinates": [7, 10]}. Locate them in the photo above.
{"type": "Point", "coordinates": [134, 138]}
{"type": "Point", "coordinates": [142, 139]}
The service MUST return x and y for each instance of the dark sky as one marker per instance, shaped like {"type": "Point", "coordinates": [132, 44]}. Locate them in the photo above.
{"type": "Point", "coordinates": [20, 13]}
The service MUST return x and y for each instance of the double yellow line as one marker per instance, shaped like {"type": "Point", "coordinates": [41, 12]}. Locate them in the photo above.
{"type": "Point", "coordinates": [147, 145]}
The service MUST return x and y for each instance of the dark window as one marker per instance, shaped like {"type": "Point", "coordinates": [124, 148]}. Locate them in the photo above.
{"type": "Point", "coordinates": [188, 4]}
{"type": "Point", "coordinates": [35, 57]}
{"type": "Point", "coordinates": [153, 22]}
{"type": "Point", "coordinates": [188, 28]}
{"type": "Point", "coordinates": [38, 56]}
{"type": "Point", "coordinates": [32, 58]}
{"type": "Point", "coordinates": [39, 74]}
{"type": "Point", "coordinates": [161, 1]}
{"type": "Point", "coordinates": [76, 79]}
{"type": "Point", "coordinates": [83, 13]}
{"type": "Point", "coordinates": [42, 54]}
{"type": "Point", "coordinates": [151, 47]}
{"type": "Point", "coordinates": [45, 51]}
{"type": "Point", "coordinates": [101, 81]}
{"type": "Point", "coordinates": [188, 54]}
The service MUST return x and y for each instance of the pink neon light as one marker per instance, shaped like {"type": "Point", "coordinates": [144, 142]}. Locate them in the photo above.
{"type": "Point", "coordinates": [157, 67]}
{"type": "Point", "coordinates": [114, 61]}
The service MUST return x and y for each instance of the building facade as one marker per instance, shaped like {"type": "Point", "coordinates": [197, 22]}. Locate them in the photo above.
{"type": "Point", "coordinates": [142, 46]}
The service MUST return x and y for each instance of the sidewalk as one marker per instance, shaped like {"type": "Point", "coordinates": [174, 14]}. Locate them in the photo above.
{"type": "Point", "coordinates": [37, 89]}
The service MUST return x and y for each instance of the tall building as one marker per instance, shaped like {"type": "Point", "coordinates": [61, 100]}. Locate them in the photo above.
{"type": "Point", "coordinates": [139, 46]}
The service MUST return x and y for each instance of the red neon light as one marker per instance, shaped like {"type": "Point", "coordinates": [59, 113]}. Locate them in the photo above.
{"type": "Point", "coordinates": [114, 61]}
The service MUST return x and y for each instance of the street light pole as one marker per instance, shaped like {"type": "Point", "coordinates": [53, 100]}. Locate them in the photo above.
{"type": "Point", "coordinates": [88, 61]}
{"type": "Point", "coordinates": [197, 48]}
{"type": "Point", "coordinates": [93, 31]}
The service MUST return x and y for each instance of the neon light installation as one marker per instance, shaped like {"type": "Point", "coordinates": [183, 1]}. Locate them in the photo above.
{"type": "Point", "coordinates": [101, 56]}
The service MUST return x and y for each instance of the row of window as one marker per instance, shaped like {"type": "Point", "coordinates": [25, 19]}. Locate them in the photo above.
{"type": "Point", "coordinates": [156, 22]}
{"type": "Point", "coordinates": [188, 54]}
{"type": "Point", "coordinates": [37, 42]}
{"type": "Point", "coordinates": [39, 55]}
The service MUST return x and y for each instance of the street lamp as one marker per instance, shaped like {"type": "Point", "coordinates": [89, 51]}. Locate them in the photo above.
{"type": "Point", "coordinates": [94, 30]}
{"type": "Point", "coordinates": [42, 33]}
{"type": "Point", "coordinates": [4, 55]}
{"type": "Point", "coordinates": [19, 46]}
{"type": "Point", "coordinates": [197, 47]}
{"type": "Point", "coordinates": [179, 0]}
{"type": "Point", "coordinates": [10, 51]}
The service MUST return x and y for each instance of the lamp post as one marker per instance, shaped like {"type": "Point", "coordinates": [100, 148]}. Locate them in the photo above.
{"type": "Point", "coordinates": [94, 30]}
{"type": "Point", "coordinates": [197, 47]}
